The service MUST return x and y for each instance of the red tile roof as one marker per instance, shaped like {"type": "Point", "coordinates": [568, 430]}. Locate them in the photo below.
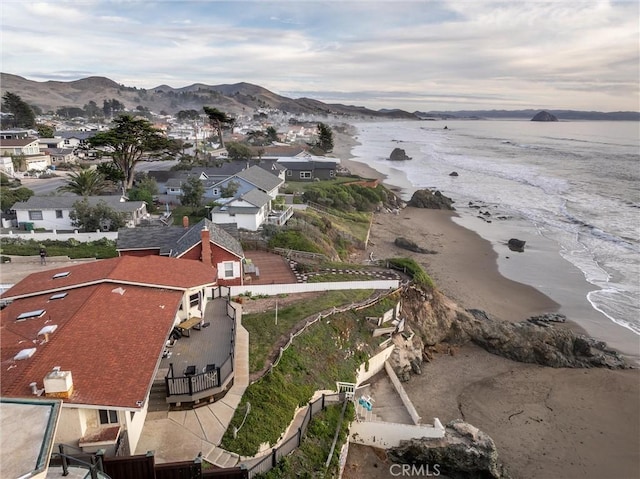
{"type": "Point", "coordinates": [111, 327]}
{"type": "Point", "coordinates": [149, 270]}
{"type": "Point", "coordinates": [109, 341]}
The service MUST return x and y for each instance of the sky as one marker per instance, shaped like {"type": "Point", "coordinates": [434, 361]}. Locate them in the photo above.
{"type": "Point", "coordinates": [415, 55]}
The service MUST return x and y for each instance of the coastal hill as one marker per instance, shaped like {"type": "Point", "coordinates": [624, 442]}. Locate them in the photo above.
{"type": "Point", "coordinates": [234, 99]}
{"type": "Point", "coordinates": [241, 98]}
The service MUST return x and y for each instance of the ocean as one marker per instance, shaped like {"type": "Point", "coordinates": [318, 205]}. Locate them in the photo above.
{"type": "Point", "coordinates": [571, 189]}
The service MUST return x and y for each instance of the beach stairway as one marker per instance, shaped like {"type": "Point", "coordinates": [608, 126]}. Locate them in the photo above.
{"type": "Point", "coordinates": [221, 458]}
{"type": "Point", "coordinates": [363, 414]}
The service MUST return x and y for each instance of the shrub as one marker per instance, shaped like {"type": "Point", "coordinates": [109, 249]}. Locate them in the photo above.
{"type": "Point", "coordinates": [413, 269]}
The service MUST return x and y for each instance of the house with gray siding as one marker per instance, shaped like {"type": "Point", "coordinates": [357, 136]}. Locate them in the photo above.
{"type": "Point", "coordinates": [310, 169]}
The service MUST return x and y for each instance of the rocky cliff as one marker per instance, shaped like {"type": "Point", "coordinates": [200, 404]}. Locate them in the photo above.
{"type": "Point", "coordinates": [436, 319]}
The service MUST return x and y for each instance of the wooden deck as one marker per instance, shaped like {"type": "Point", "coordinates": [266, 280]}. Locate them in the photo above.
{"type": "Point", "coordinates": [274, 269]}
{"type": "Point", "coordinates": [209, 345]}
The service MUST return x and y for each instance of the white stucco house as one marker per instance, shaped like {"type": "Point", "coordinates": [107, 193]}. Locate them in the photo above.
{"type": "Point", "coordinates": [248, 211]}
{"type": "Point", "coordinates": [52, 212]}
{"type": "Point", "coordinates": [29, 150]}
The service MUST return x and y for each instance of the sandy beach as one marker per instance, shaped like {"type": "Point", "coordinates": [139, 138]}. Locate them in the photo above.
{"type": "Point", "coordinates": [546, 423]}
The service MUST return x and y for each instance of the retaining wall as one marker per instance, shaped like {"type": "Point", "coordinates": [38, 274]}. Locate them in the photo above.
{"type": "Point", "coordinates": [274, 289]}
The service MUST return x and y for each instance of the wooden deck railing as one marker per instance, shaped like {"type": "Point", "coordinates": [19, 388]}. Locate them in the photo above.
{"type": "Point", "coordinates": [206, 380]}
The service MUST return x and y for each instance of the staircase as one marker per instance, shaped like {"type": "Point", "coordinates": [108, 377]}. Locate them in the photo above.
{"type": "Point", "coordinates": [221, 458]}
{"type": "Point", "coordinates": [157, 397]}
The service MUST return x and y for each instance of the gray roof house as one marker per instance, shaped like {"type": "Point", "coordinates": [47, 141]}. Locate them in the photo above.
{"type": "Point", "coordinates": [310, 169]}
{"type": "Point", "coordinates": [52, 212]}
{"type": "Point", "coordinates": [170, 182]}
{"type": "Point", "coordinates": [174, 241]}
{"type": "Point", "coordinates": [262, 179]}
{"type": "Point", "coordinates": [205, 241]}
{"type": "Point", "coordinates": [250, 211]}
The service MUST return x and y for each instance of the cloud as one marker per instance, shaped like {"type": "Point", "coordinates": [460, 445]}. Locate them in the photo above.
{"type": "Point", "coordinates": [578, 54]}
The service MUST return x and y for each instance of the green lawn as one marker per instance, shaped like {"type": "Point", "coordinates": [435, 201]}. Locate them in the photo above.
{"type": "Point", "coordinates": [264, 332]}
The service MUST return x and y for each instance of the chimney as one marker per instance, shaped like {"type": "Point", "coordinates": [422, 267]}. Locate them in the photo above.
{"type": "Point", "coordinates": [185, 221]}
{"type": "Point", "coordinates": [58, 384]}
{"type": "Point", "coordinates": [206, 246]}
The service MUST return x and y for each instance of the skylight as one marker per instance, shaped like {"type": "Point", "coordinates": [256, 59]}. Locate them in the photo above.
{"type": "Point", "coordinates": [50, 328]}
{"type": "Point", "coordinates": [25, 354]}
{"type": "Point", "coordinates": [64, 274]}
{"type": "Point", "coordinates": [58, 296]}
{"type": "Point", "coordinates": [38, 313]}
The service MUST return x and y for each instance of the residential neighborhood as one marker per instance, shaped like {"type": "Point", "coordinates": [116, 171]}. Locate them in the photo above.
{"type": "Point", "coordinates": [146, 351]}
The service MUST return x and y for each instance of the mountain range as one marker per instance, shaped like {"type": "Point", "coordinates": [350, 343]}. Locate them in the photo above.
{"type": "Point", "coordinates": [238, 98]}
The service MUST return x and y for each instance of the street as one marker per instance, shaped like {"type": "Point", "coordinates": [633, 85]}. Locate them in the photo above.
{"type": "Point", "coordinates": [47, 186]}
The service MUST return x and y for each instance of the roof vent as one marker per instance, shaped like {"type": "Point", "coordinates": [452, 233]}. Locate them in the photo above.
{"type": "Point", "coordinates": [34, 389]}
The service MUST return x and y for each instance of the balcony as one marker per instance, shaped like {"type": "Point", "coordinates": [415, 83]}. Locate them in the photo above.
{"type": "Point", "coordinates": [279, 217]}
{"type": "Point", "coordinates": [199, 366]}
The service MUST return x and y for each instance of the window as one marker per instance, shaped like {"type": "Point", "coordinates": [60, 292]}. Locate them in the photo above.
{"type": "Point", "coordinates": [64, 274]}
{"type": "Point", "coordinates": [289, 172]}
{"type": "Point", "coordinates": [228, 270]}
{"type": "Point", "coordinates": [305, 175]}
{"type": "Point", "coordinates": [58, 213]}
{"type": "Point", "coordinates": [108, 416]}
{"type": "Point", "coordinates": [332, 173]}
{"type": "Point", "coordinates": [35, 215]}
{"type": "Point", "coordinates": [58, 296]}
{"type": "Point", "coordinates": [194, 300]}
{"type": "Point", "coordinates": [216, 192]}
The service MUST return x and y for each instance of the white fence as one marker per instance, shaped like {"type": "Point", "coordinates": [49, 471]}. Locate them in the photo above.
{"type": "Point", "coordinates": [274, 289]}
{"type": "Point", "coordinates": [53, 235]}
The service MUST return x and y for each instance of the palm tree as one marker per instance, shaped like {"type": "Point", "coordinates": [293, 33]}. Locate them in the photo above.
{"type": "Point", "coordinates": [217, 119]}
{"type": "Point", "coordinates": [85, 183]}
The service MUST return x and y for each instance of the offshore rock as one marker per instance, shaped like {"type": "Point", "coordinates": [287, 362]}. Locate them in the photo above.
{"type": "Point", "coordinates": [544, 116]}
{"type": "Point", "coordinates": [398, 154]}
{"type": "Point", "coordinates": [464, 452]}
{"type": "Point", "coordinates": [515, 244]}
{"type": "Point", "coordinates": [430, 199]}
